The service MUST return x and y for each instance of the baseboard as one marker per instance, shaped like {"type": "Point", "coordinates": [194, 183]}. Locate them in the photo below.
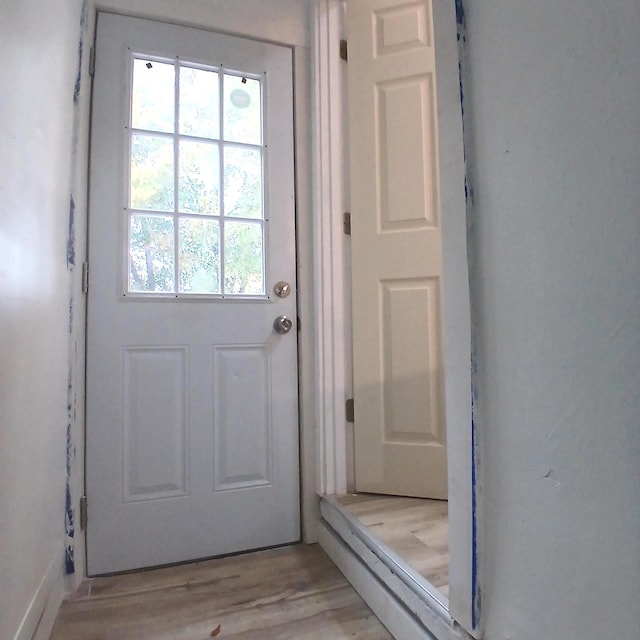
{"type": "Point", "coordinates": [387, 608]}
{"type": "Point", "coordinates": [41, 613]}
{"type": "Point", "coordinates": [395, 579]}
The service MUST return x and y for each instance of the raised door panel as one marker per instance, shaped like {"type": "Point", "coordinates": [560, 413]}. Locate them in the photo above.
{"type": "Point", "coordinates": [242, 416]}
{"type": "Point", "coordinates": [155, 422]}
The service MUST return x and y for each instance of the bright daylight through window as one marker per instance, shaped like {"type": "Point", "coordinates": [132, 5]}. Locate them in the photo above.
{"type": "Point", "coordinates": [196, 218]}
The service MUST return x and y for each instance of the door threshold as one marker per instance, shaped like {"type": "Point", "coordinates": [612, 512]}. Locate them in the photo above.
{"type": "Point", "coordinates": [182, 563]}
{"type": "Point", "coordinates": [420, 600]}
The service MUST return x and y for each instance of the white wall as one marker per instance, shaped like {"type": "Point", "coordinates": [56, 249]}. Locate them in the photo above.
{"type": "Point", "coordinates": [281, 21]}
{"type": "Point", "coordinates": [39, 49]}
{"type": "Point", "coordinates": [553, 120]}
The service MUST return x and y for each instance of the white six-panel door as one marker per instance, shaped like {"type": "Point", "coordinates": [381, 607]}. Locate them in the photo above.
{"type": "Point", "coordinates": [400, 432]}
{"type": "Point", "coordinates": [192, 425]}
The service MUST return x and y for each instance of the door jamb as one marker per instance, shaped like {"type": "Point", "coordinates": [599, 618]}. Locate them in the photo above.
{"type": "Point", "coordinates": [331, 314]}
{"type": "Point", "coordinates": [329, 194]}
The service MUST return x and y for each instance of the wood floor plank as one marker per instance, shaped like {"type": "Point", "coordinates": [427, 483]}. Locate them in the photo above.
{"type": "Point", "coordinates": [280, 594]}
{"type": "Point", "coordinates": [416, 529]}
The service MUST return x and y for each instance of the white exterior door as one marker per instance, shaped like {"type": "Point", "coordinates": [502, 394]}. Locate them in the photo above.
{"type": "Point", "coordinates": [192, 424]}
{"type": "Point", "coordinates": [400, 433]}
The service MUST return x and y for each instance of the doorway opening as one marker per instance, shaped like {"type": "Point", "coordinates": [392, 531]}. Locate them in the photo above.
{"type": "Point", "coordinates": [410, 134]}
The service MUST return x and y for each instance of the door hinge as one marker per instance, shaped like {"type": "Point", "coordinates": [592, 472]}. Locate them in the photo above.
{"type": "Point", "coordinates": [83, 512]}
{"type": "Point", "coordinates": [346, 223]}
{"type": "Point", "coordinates": [85, 277]}
{"type": "Point", "coordinates": [92, 61]}
{"type": "Point", "coordinates": [343, 50]}
{"type": "Point", "coordinates": [350, 410]}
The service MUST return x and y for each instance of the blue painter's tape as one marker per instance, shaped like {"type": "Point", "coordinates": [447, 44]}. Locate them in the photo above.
{"type": "Point", "coordinates": [69, 516]}
{"type": "Point", "coordinates": [475, 587]}
{"type": "Point", "coordinates": [476, 594]}
{"type": "Point", "coordinates": [69, 560]}
{"type": "Point", "coordinates": [84, 13]}
{"type": "Point", "coordinates": [71, 236]}
{"type": "Point", "coordinates": [76, 88]}
{"type": "Point", "coordinates": [459, 13]}
{"type": "Point", "coordinates": [83, 21]}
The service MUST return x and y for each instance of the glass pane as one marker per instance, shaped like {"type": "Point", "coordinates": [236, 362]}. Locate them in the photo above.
{"type": "Point", "coordinates": [151, 172]}
{"type": "Point", "coordinates": [199, 177]}
{"type": "Point", "coordinates": [243, 182]}
{"type": "Point", "coordinates": [151, 253]}
{"type": "Point", "coordinates": [242, 110]}
{"type": "Point", "coordinates": [153, 99]}
{"type": "Point", "coordinates": [199, 103]}
{"type": "Point", "coordinates": [243, 264]}
{"type": "Point", "coordinates": [199, 256]}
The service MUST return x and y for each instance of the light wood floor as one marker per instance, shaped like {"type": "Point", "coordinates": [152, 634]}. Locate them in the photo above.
{"type": "Point", "coordinates": [281, 594]}
{"type": "Point", "coordinates": [416, 529]}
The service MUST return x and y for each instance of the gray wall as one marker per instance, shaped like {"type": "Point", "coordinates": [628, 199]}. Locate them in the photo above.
{"type": "Point", "coordinates": [553, 123]}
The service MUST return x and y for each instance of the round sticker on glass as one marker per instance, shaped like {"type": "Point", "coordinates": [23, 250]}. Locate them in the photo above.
{"type": "Point", "coordinates": [240, 99]}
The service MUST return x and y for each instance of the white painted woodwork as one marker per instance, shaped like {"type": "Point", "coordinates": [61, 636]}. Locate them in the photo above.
{"type": "Point", "coordinates": [307, 334]}
{"type": "Point", "coordinates": [40, 614]}
{"type": "Point", "coordinates": [192, 425]}
{"type": "Point", "coordinates": [154, 389]}
{"type": "Point", "coordinates": [236, 369]}
{"type": "Point", "coordinates": [331, 312]}
{"type": "Point", "coordinates": [400, 434]}
{"type": "Point", "coordinates": [390, 610]}
{"type": "Point", "coordinates": [464, 564]}
{"type": "Point", "coordinates": [350, 543]}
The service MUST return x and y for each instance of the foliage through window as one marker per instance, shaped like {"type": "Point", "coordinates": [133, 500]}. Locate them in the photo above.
{"type": "Point", "coordinates": [196, 215]}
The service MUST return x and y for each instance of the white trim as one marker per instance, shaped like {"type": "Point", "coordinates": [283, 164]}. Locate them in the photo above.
{"type": "Point", "coordinates": [456, 317]}
{"type": "Point", "coordinates": [305, 282]}
{"type": "Point", "coordinates": [332, 316]}
{"type": "Point", "coordinates": [343, 522]}
{"type": "Point", "coordinates": [387, 608]}
{"type": "Point", "coordinates": [425, 602]}
{"type": "Point", "coordinates": [328, 188]}
{"type": "Point", "coordinates": [41, 613]}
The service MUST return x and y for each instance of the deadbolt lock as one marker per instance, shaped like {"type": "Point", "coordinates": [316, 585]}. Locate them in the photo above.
{"type": "Point", "coordinates": [282, 289]}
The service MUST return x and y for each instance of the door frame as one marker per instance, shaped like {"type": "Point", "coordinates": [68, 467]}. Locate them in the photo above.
{"type": "Point", "coordinates": [332, 302]}
{"type": "Point", "coordinates": [321, 181]}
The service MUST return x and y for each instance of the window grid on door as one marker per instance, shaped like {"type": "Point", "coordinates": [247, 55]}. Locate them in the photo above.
{"type": "Point", "coordinates": [195, 208]}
